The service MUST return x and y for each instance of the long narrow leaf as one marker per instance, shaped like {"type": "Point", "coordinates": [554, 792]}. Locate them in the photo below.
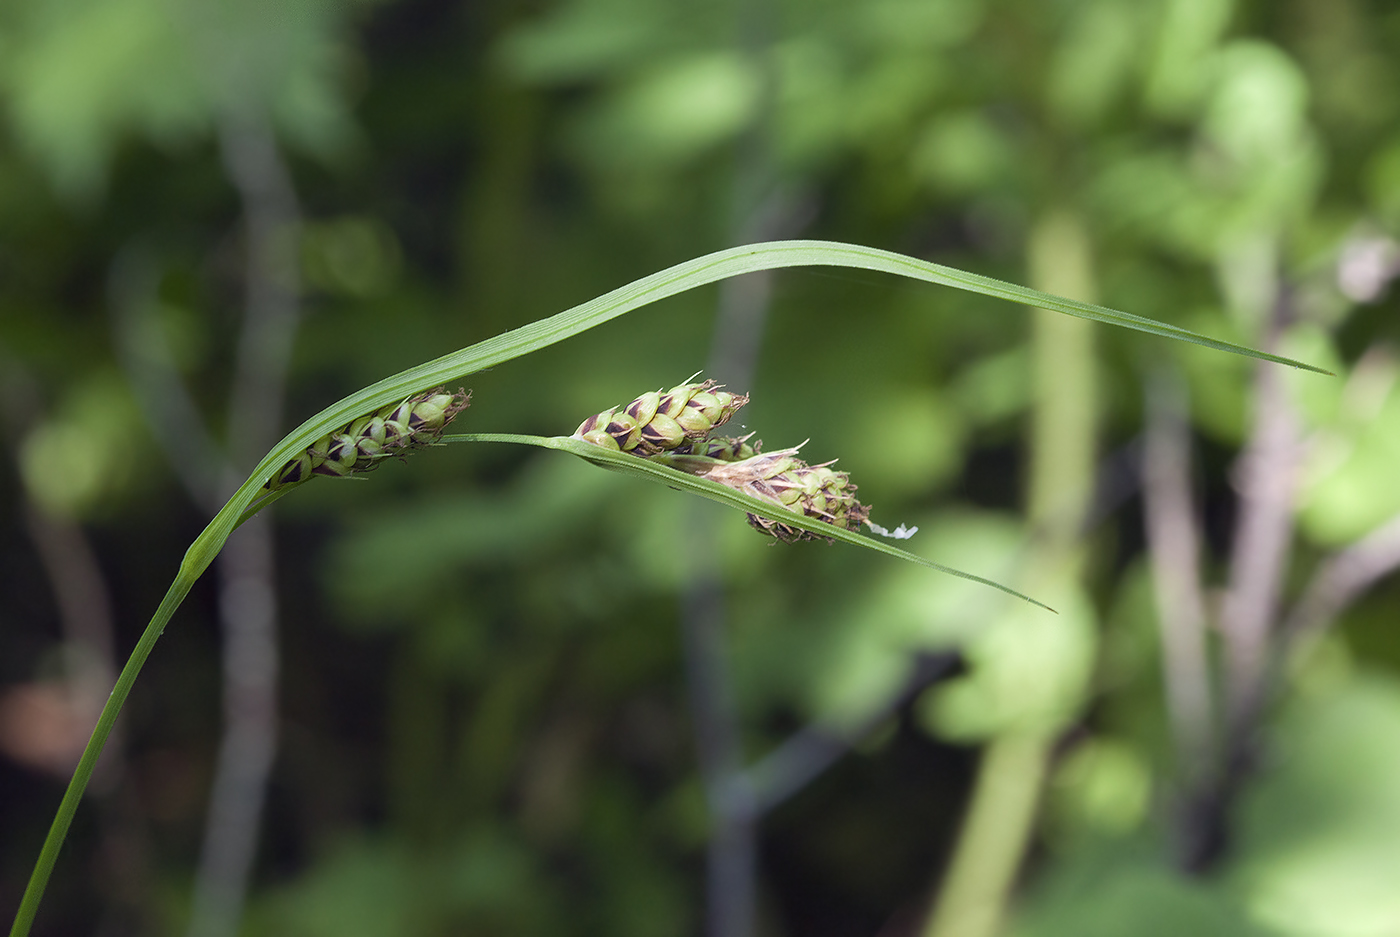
{"type": "Point", "coordinates": [678, 279]}
{"type": "Point", "coordinates": [705, 488]}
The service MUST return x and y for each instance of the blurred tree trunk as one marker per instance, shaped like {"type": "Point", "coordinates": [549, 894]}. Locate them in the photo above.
{"type": "Point", "coordinates": [1001, 817]}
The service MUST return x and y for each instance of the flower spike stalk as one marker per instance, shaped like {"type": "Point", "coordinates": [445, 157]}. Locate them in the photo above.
{"type": "Point", "coordinates": [361, 445]}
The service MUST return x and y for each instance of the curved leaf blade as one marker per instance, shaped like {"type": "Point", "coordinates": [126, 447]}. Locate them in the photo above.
{"type": "Point", "coordinates": [685, 276]}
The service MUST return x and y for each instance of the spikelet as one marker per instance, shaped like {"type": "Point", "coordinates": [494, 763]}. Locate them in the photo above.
{"type": "Point", "coordinates": [673, 428]}
{"type": "Point", "coordinates": [817, 491]}
{"type": "Point", "coordinates": [361, 445]}
{"type": "Point", "coordinates": [662, 421]}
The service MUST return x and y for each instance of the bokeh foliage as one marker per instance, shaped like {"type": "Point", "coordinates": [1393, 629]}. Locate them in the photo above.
{"type": "Point", "coordinates": [485, 729]}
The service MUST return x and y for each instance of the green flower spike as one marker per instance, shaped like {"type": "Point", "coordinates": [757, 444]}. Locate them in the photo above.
{"type": "Point", "coordinates": [360, 446]}
{"type": "Point", "coordinates": [662, 421]}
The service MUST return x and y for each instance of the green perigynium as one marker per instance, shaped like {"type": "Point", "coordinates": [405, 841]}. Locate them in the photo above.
{"type": "Point", "coordinates": [724, 448]}
{"type": "Point", "coordinates": [673, 428]}
{"type": "Point", "coordinates": [361, 445]}
{"type": "Point", "coordinates": [662, 421]}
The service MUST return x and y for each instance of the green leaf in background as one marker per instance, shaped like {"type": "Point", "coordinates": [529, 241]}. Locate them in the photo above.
{"type": "Point", "coordinates": [1125, 890]}
{"type": "Point", "coordinates": [1349, 486]}
{"type": "Point", "coordinates": [1320, 836]}
{"type": "Point", "coordinates": [168, 71]}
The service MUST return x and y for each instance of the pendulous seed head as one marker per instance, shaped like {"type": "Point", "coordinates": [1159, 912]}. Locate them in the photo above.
{"type": "Point", "coordinates": [673, 427]}
{"type": "Point", "coordinates": [816, 491]}
{"type": "Point", "coordinates": [661, 421]}
{"type": "Point", "coordinates": [358, 447]}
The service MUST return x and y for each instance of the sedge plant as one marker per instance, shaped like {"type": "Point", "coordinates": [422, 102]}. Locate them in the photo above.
{"type": "Point", "coordinates": [658, 437]}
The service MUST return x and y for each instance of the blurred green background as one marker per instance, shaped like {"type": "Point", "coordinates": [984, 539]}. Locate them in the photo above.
{"type": "Point", "coordinates": [493, 661]}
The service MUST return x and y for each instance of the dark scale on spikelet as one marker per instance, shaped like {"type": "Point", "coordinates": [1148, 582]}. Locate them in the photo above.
{"type": "Point", "coordinates": [361, 445]}
{"type": "Point", "coordinates": [817, 491]}
{"type": "Point", "coordinates": [673, 428]}
{"type": "Point", "coordinates": [724, 448]}
{"type": "Point", "coordinates": [662, 421]}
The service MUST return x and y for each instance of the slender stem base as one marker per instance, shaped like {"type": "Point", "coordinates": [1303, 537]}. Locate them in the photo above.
{"type": "Point", "coordinates": [63, 819]}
